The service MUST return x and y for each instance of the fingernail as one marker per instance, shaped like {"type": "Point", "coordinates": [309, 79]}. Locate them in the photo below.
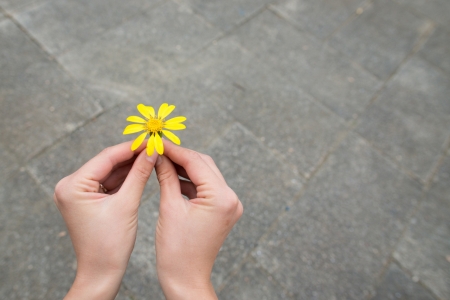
{"type": "Point", "coordinates": [151, 158]}
{"type": "Point", "coordinates": [158, 161]}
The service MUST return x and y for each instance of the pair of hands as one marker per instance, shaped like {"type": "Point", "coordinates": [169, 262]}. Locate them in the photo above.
{"type": "Point", "coordinates": [103, 226]}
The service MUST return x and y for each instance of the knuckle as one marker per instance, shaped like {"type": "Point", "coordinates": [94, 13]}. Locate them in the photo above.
{"type": "Point", "coordinates": [232, 201]}
{"type": "Point", "coordinates": [164, 177]}
{"type": "Point", "coordinates": [207, 158]}
{"type": "Point", "coordinates": [106, 151]}
{"type": "Point", "coordinates": [142, 173]}
{"type": "Point", "coordinates": [60, 190]}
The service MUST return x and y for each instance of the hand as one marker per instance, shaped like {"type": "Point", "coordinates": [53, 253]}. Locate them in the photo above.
{"type": "Point", "coordinates": [103, 226]}
{"type": "Point", "coordinates": [190, 233]}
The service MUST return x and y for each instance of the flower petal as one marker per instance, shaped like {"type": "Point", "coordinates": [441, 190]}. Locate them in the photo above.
{"type": "Point", "coordinates": [133, 128]}
{"type": "Point", "coordinates": [138, 141]}
{"type": "Point", "coordinates": [151, 145]}
{"type": "Point", "coordinates": [159, 144]}
{"type": "Point", "coordinates": [151, 111]}
{"type": "Point", "coordinates": [167, 112]}
{"type": "Point", "coordinates": [175, 126]}
{"type": "Point", "coordinates": [161, 109]}
{"type": "Point", "coordinates": [176, 120]}
{"type": "Point", "coordinates": [172, 137]}
{"type": "Point", "coordinates": [136, 119]}
{"type": "Point", "coordinates": [143, 110]}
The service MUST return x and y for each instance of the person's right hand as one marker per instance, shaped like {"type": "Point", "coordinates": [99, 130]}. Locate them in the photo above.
{"type": "Point", "coordinates": [190, 233]}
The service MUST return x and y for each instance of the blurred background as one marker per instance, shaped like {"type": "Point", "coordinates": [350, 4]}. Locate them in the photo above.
{"type": "Point", "coordinates": [329, 118]}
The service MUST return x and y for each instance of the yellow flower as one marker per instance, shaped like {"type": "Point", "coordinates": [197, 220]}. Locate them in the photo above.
{"type": "Point", "coordinates": [154, 125]}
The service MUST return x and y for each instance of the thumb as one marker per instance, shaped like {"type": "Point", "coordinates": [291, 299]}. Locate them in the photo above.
{"type": "Point", "coordinates": [168, 179]}
{"type": "Point", "coordinates": [137, 178]}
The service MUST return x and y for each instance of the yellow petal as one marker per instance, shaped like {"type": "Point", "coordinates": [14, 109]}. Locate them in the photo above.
{"type": "Point", "coordinates": [138, 141]}
{"type": "Point", "coordinates": [144, 110]}
{"type": "Point", "coordinates": [151, 111]}
{"type": "Point", "coordinates": [136, 119]}
{"type": "Point", "coordinates": [159, 144]}
{"type": "Point", "coordinates": [161, 109]}
{"type": "Point", "coordinates": [172, 137]}
{"type": "Point", "coordinates": [133, 128]}
{"type": "Point", "coordinates": [167, 112]}
{"type": "Point", "coordinates": [151, 145]}
{"type": "Point", "coordinates": [175, 126]}
{"type": "Point", "coordinates": [176, 120]}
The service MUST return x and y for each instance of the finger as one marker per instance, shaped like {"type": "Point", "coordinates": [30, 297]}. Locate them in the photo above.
{"type": "Point", "coordinates": [181, 171]}
{"type": "Point", "coordinates": [99, 167]}
{"type": "Point", "coordinates": [137, 178]}
{"type": "Point", "coordinates": [188, 189]}
{"type": "Point", "coordinates": [117, 177]}
{"type": "Point", "coordinates": [168, 181]}
{"type": "Point", "coordinates": [208, 159]}
{"type": "Point", "coordinates": [198, 170]}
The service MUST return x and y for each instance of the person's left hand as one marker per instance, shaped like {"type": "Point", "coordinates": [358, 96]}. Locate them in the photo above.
{"type": "Point", "coordinates": [99, 204]}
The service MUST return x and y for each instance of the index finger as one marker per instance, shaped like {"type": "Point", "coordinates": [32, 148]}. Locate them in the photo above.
{"type": "Point", "coordinates": [197, 169]}
{"type": "Point", "coordinates": [100, 166]}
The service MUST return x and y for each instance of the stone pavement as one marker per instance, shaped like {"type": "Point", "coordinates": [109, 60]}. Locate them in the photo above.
{"type": "Point", "coordinates": [329, 118]}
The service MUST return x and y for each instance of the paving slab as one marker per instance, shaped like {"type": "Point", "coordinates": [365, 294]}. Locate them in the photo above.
{"type": "Point", "coordinates": [318, 17]}
{"type": "Point", "coordinates": [69, 154]}
{"type": "Point", "coordinates": [398, 285]}
{"type": "Point", "coordinates": [424, 250]}
{"type": "Point", "coordinates": [225, 14]}
{"type": "Point", "coordinates": [14, 6]}
{"type": "Point", "coordinates": [410, 119]}
{"type": "Point", "coordinates": [288, 121]}
{"type": "Point", "coordinates": [140, 51]}
{"type": "Point", "coordinates": [437, 10]}
{"type": "Point", "coordinates": [8, 163]}
{"type": "Point", "coordinates": [331, 244]}
{"type": "Point", "coordinates": [308, 63]}
{"type": "Point", "coordinates": [36, 109]}
{"type": "Point", "coordinates": [437, 49]}
{"type": "Point", "coordinates": [61, 25]}
{"type": "Point", "coordinates": [34, 246]}
{"type": "Point", "coordinates": [440, 185]}
{"type": "Point", "coordinates": [252, 283]}
{"type": "Point", "coordinates": [381, 37]}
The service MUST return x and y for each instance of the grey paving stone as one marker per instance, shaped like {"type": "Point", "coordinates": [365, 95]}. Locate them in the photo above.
{"type": "Point", "coordinates": [313, 66]}
{"type": "Point", "coordinates": [319, 17]}
{"type": "Point", "coordinates": [36, 256]}
{"type": "Point", "coordinates": [141, 278]}
{"type": "Point", "coordinates": [291, 123]}
{"type": "Point", "coordinates": [61, 25]}
{"type": "Point", "coordinates": [8, 163]}
{"type": "Point", "coordinates": [441, 182]}
{"type": "Point", "coordinates": [434, 9]}
{"type": "Point", "coordinates": [381, 37]}
{"type": "Point", "coordinates": [410, 119]}
{"type": "Point", "coordinates": [225, 14]}
{"type": "Point", "coordinates": [252, 283]}
{"type": "Point", "coordinates": [437, 49]}
{"type": "Point", "coordinates": [13, 6]}
{"type": "Point", "coordinates": [252, 172]}
{"type": "Point", "coordinates": [133, 55]}
{"type": "Point", "coordinates": [397, 285]}
{"type": "Point", "coordinates": [39, 103]}
{"type": "Point", "coordinates": [68, 155]}
{"type": "Point", "coordinates": [334, 241]}
{"type": "Point", "coordinates": [425, 250]}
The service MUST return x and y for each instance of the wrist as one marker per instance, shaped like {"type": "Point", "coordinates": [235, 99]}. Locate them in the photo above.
{"type": "Point", "coordinates": [95, 286]}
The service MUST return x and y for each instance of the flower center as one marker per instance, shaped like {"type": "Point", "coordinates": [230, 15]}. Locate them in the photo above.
{"type": "Point", "coordinates": [154, 125]}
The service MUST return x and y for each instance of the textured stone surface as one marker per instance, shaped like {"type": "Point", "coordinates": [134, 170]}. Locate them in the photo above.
{"type": "Point", "coordinates": [339, 244]}
{"type": "Point", "coordinates": [225, 14]}
{"type": "Point", "coordinates": [437, 49]}
{"type": "Point", "coordinates": [36, 110]}
{"type": "Point", "coordinates": [410, 119]}
{"type": "Point", "coordinates": [437, 10]}
{"type": "Point", "coordinates": [397, 285]}
{"type": "Point", "coordinates": [133, 55]}
{"type": "Point", "coordinates": [441, 182]}
{"type": "Point", "coordinates": [35, 250]}
{"type": "Point", "coordinates": [425, 250]}
{"type": "Point", "coordinates": [72, 152]}
{"type": "Point", "coordinates": [318, 69]}
{"type": "Point", "coordinates": [252, 283]}
{"type": "Point", "coordinates": [319, 17]}
{"type": "Point", "coordinates": [381, 37]}
{"type": "Point", "coordinates": [251, 171]}
{"type": "Point", "coordinates": [8, 163]}
{"type": "Point", "coordinates": [14, 6]}
{"type": "Point", "coordinates": [61, 25]}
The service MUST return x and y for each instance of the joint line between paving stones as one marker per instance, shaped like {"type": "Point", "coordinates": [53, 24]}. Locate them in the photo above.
{"type": "Point", "coordinates": [438, 164]}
